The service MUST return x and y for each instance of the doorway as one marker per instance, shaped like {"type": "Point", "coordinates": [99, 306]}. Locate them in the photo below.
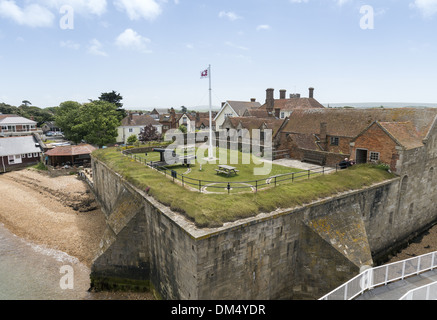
{"type": "Point", "coordinates": [361, 156]}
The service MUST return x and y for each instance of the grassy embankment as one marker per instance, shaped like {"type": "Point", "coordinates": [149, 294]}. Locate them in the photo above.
{"type": "Point", "coordinates": [212, 210]}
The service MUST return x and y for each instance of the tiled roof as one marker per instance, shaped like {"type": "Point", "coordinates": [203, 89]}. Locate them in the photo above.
{"type": "Point", "coordinates": [71, 150]}
{"type": "Point", "coordinates": [138, 120]}
{"type": "Point", "coordinates": [404, 133]}
{"type": "Point", "coordinates": [351, 122]}
{"type": "Point", "coordinates": [241, 106]}
{"type": "Point", "coordinates": [251, 123]}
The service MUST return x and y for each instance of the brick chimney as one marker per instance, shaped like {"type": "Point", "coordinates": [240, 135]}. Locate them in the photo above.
{"type": "Point", "coordinates": [311, 90]}
{"type": "Point", "coordinates": [270, 100]}
{"type": "Point", "coordinates": [130, 117]}
{"type": "Point", "coordinates": [172, 118]}
{"type": "Point", "coordinates": [282, 94]}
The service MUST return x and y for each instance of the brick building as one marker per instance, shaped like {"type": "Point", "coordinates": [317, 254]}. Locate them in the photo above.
{"type": "Point", "coordinates": [326, 136]}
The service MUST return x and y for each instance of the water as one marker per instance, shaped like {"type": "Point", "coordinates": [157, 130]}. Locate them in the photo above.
{"type": "Point", "coordinates": [33, 272]}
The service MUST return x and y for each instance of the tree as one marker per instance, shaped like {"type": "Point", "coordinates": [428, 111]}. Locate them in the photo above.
{"type": "Point", "coordinates": [99, 122]}
{"type": "Point", "coordinates": [68, 118]}
{"type": "Point", "coordinates": [115, 98]}
{"type": "Point", "coordinates": [183, 128]}
{"type": "Point", "coordinates": [26, 103]}
{"type": "Point", "coordinates": [149, 133]}
{"type": "Point", "coordinates": [132, 139]}
{"type": "Point", "coordinates": [184, 109]}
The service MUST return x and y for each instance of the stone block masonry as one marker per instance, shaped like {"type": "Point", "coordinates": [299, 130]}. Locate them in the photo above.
{"type": "Point", "coordinates": [296, 253]}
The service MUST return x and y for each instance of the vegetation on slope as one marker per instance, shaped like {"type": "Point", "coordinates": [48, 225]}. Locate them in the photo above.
{"type": "Point", "coordinates": [212, 210]}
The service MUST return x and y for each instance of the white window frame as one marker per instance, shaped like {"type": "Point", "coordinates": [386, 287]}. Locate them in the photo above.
{"type": "Point", "coordinates": [372, 153]}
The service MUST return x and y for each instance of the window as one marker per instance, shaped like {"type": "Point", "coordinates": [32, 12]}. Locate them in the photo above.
{"type": "Point", "coordinates": [23, 156]}
{"type": "Point", "coordinates": [131, 130]}
{"type": "Point", "coordinates": [282, 115]}
{"type": "Point", "coordinates": [35, 154]}
{"type": "Point", "coordinates": [11, 159]}
{"type": "Point", "coordinates": [334, 141]}
{"type": "Point", "coordinates": [29, 155]}
{"type": "Point", "coordinates": [374, 156]}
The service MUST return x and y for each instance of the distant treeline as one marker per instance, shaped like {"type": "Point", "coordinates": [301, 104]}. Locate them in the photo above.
{"type": "Point", "coordinates": [39, 115]}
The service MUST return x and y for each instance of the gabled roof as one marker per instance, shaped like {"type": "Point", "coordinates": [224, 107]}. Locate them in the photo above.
{"type": "Point", "coordinates": [239, 107]}
{"type": "Point", "coordinates": [18, 145]}
{"type": "Point", "coordinates": [351, 122]}
{"type": "Point", "coordinates": [141, 120]}
{"type": "Point", "coordinates": [81, 149]}
{"type": "Point", "coordinates": [403, 133]}
{"type": "Point", "coordinates": [251, 123]}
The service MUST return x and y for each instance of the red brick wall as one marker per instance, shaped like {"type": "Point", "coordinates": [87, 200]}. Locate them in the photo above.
{"type": "Point", "coordinates": [376, 140]}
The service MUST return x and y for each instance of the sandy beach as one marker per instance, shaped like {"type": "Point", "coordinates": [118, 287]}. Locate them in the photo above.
{"type": "Point", "coordinates": [60, 213]}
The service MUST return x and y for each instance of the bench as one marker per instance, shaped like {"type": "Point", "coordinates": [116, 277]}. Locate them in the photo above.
{"type": "Point", "coordinates": [222, 171]}
{"type": "Point", "coordinates": [314, 158]}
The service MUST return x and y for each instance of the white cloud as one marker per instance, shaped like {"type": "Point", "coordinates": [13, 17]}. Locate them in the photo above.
{"type": "Point", "coordinates": [96, 7]}
{"type": "Point", "coordinates": [139, 9]}
{"type": "Point", "coordinates": [232, 16]}
{"type": "Point", "coordinates": [95, 48]}
{"type": "Point", "coordinates": [32, 15]}
{"type": "Point", "coordinates": [132, 40]}
{"type": "Point", "coordinates": [428, 8]}
{"type": "Point", "coordinates": [263, 27]}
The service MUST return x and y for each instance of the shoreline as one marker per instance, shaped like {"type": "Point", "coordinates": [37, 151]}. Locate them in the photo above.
{"type": "Point", "coordinates": [59, 213]}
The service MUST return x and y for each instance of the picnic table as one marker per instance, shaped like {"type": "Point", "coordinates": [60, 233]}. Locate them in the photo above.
{"type": "Point", "coordinates": [225, 169]}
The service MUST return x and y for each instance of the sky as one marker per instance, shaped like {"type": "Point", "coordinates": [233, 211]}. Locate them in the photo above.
{"type": "Point", "coordinates": [152, 52]}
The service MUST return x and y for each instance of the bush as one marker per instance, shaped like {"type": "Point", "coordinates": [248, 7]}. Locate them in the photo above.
{"type": "Point", "coordinates": [132, 139]}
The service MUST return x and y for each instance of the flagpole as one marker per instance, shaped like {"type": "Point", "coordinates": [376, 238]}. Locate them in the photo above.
{"type": "Point", "coordinates": [210, 115]}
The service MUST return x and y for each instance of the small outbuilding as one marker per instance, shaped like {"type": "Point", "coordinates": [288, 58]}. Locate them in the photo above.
{"type": "Point", "coordinates": [79, 155]}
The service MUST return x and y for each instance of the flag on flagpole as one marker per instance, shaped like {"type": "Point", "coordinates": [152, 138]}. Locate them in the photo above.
{"type": "Point", "coordinates": [204, 74]}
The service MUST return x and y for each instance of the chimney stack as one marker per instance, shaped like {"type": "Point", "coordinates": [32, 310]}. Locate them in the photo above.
{"type": "Point", "coordinates": [282, 94]}
{"type": "Point", "coordinates": [252, 100]}
{"type": "Point", "coordinates": [311, 92]}
{"type": "Point", "coordinates": [270, 100]}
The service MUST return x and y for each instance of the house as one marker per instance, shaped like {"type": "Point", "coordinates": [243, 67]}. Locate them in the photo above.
{"type": "Point", "coordinates": [50, 126]}
{"type": "Point", "coordinates": [70, 155]}
{"type": "Point", "coordinates": [283, 107]}
{"type": "Point", "coordinates": [133, 124]}
{"type": "Point", "coordinates": [15, 125]}
{"type": "Point", "coordinates": [174, 120]}
{"type": "Point", "coordinates": [385, 141]}
{"type": "Point", "coordinates": [202, 120]}
{"type": "Point", "coordinates": [234, 109]}
{"type": "Point", "coordinates": [18, 152]}
{"type": "Point", "coordinates": [326, 136]}
{"type": "Point", "coordinates": [244, 127]}
{"type": "Point", "coordinates": [157, 112]}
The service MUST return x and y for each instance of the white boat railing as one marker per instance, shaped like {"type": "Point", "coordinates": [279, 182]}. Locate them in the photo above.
{"type": "Point", "coordinates": [427, 292]}
{"type": "Point", "coordinates": [383, 275]}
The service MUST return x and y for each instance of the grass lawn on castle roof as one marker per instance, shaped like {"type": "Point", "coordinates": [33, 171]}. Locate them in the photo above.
{"type": "Point", "coordinates": [213, 209]}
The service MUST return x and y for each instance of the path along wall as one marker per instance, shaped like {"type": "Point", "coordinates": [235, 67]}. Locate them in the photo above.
{"type": "Point", "coordinates": [299, 253]}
